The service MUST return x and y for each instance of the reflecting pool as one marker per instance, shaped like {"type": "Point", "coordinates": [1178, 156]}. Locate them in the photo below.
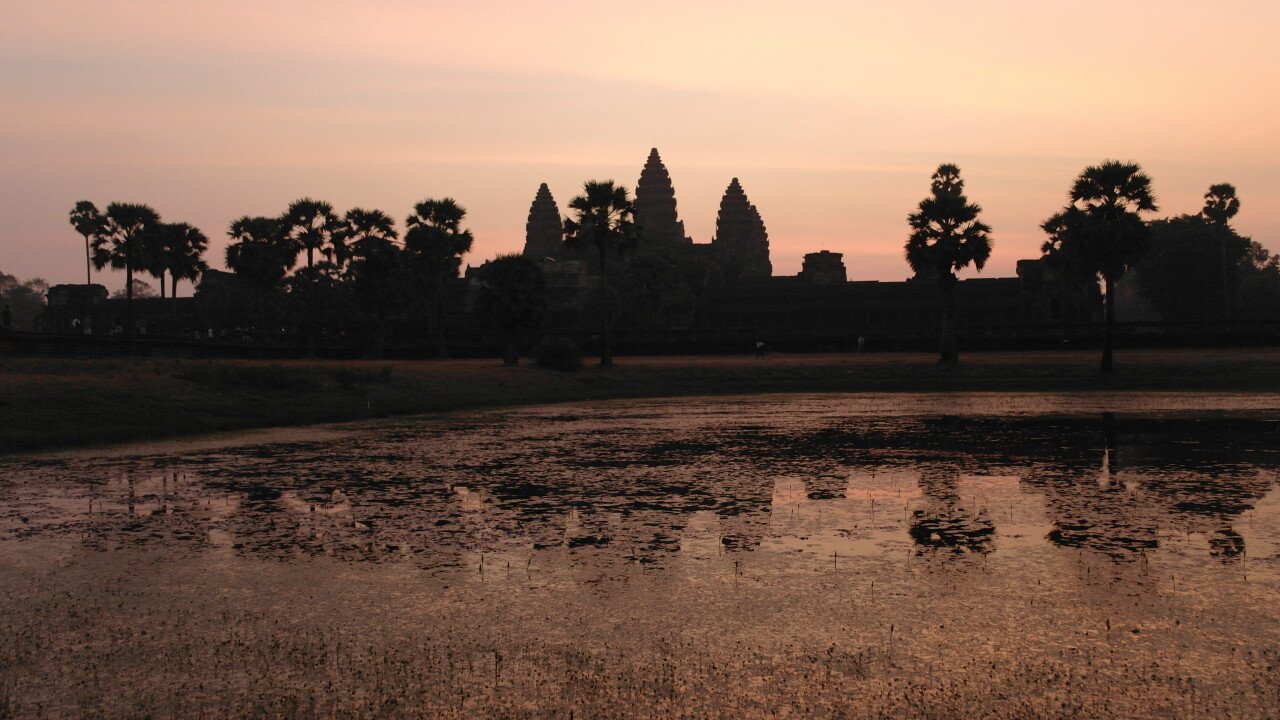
{"type": "Point", "coordinates": [807, 555]}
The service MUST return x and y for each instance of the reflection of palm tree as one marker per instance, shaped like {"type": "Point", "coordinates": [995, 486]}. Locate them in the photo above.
{"type": "Point", "coordinates": [1102, 515]}
{"type": "Point", "coordinates": [945, 522]}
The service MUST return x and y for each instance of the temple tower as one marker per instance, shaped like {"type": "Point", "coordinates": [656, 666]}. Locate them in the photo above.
{"type": "Point", "coordinates": [656, 215]}
{"type": "Point", "coordinates": [741, 241]}
{"type": "Point", "coordinates": [543, 233]}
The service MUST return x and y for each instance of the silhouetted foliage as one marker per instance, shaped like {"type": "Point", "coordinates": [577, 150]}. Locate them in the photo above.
{"type": "Point", "coordinates": [946, 236]}
{"type": "Point", "coordinates": [604, 220]}
{"type": "Point", "coordinates": [1182, 272]}
{"type": "Point", "coordinates": [311, 225]}
{"type": "Point", "coordinates": [176, 249]}
{"type": "Point", "coordinates": [87, 221]}
{"type": "Point", "coordinates": [25, 300]}
{"type": "Point", "coordinates": [1220, 203]}
{"type": "Point", "coordinates": [558, 353]}
{"type": "Point", "coordinates": [378, 270]}
{"type": "Point", "coordinates": [510, 301]}
{"type": "Point", "coordinates": [435, 242]}
{"type": "Point", "coordinates": [1259, 293]}
{"type": "Point", "coordinates": [262, 253]}
{"type": "Point", "coordinates": [1101, 232]}
{"type": "Point", "coordinates": [121, 240]}
{"type": "Point", "coordinates": [141, 289]}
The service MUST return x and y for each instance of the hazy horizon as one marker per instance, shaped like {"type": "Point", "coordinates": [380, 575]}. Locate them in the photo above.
{"type": "Point", "coordinates": [832, 116]}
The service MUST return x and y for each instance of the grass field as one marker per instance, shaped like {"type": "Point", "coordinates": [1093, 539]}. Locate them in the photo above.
{"type": "Point", "coordinates": [67, 402]}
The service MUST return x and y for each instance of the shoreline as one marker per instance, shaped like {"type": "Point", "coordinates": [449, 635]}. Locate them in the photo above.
{"type": "Point", "coordinates": [54, 404]}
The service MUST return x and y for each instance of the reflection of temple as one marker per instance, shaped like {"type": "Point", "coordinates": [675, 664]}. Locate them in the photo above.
{"type": "Point", "coordinates": [739, 298]}
{"type": "Point", "coordinates": [946, 520]}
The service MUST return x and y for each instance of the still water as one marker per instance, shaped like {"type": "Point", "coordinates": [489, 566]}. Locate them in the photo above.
{"type": "Point", "coordinates": [794, 555]}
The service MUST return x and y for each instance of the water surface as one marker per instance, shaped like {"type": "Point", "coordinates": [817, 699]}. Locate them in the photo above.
{"type": "Point", "coordinates": [813, 555]}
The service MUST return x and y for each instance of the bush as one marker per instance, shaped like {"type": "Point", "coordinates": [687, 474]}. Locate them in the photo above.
{"type": "Point", "coordinates": [558, 353]}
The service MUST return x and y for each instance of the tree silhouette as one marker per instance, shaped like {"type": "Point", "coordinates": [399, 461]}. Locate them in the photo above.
{"type": "Point", "coordinates": [1101, 232]}
{"type": "Point", "coordinates": [1182, 269]}
{"type": "Point", "coordinates": [946, 236]}
{"type": "Point", "coordinates": [87, 221]}
{"type": "Point", "coordinates": [313, 227]}
{"type": "Point", "coordinates": [183, 253]}
{"type": "Point", "coordinates": [121, 241]}
{"type": "Point", "coordinates": [435, 241]}
{"type": "Point", "coordinates": [604, 219]}
{"type": "Point", "coordinates": [361, 226]}
{"type": "Point", "coordinates": [262, 253]}
{"type": "Point", "coordinates": [377, 270]}
{"type": "Point", "coordinates": [511, 299]}
{"type": "Point", "coordinates": [1220, 205]}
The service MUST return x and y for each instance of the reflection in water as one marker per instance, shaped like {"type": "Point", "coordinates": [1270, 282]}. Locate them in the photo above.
{"type": "Point", "coordinates": [641, 495]}
{"type": "Point", "coordinates": [799, 549]}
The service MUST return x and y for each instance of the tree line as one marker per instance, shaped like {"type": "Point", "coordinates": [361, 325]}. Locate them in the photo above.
{"type": "Point", "coordinates": [316, 270]}
{"type": "Point", "coordinates": [1193, 266]}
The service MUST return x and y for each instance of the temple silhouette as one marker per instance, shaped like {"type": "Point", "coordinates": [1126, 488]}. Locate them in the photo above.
{"type": "Point", "coordinates": [725, 294]}
{"type": "Point", "coordinates": [739, 299]}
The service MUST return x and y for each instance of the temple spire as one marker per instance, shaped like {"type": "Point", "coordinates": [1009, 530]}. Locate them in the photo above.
{"type": "Point", "coordinates": [656, 214]}
{"type": "Point", "coordinates": [741, 241]}
{"type": "Point", "coordinates": [543, 233]}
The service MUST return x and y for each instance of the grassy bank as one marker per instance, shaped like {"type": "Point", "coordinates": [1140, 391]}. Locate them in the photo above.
{"type": "Point", "coordinates": [62, 402]}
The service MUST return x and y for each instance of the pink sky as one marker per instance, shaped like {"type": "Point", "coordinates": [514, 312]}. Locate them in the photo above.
{"type": "Point", "coordinates": [832, 114]}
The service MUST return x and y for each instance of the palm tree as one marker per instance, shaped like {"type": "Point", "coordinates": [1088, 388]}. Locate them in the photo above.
{"type": "Point", "coordinates": [311, 225]}
{"type": "Point", "coordinates": [121, 241]}
{"type": "Point", "coordinates": [604, 219]}
{"type": "Point", "coordinates": [511, 298]}
{"type": "Point", "coordinates": [946, 236]}
{"type": "Point", "coordinates": [361, 226]}
{"type": "Point", "coordinates": [262, 253]}
{"type": "Point", "coordinates": [184, 254]}
{"type": "Point", "coordinates": [1101, 232]}
{"type": "Point", "coordinates": [1220, 205]}
{"type": "Point", "coordinates": [87, 221]}
{"type": "Point", "coordinates": [436, 242]}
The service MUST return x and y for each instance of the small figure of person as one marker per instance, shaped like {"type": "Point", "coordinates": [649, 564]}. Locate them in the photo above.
{"type": "Point", "coordinates": [759, 348]}
{"type": "Point", "coordinates": [862, 344]}
{"type": "Point", "coordinates": [6, 317]}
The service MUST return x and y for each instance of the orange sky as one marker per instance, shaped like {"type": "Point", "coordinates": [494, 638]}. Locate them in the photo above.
{"type": "Point", "coordinates": [832, 114]}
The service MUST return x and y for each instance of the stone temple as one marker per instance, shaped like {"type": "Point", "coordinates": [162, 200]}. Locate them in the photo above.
{"type": "Point", "coordinates": [656, 205]}
{"type": "Point", "coordinates": [739, 299]}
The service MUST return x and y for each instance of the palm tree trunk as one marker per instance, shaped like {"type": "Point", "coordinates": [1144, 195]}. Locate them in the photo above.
{"type": "Point", "coordinates": [441, 349]}
{"type": "Point", "coordinates": [88, 263]}
{"type": "Point", "coordinates": [1109, 317]}
{"type": "Point", "coordinates": [606, 348]}
{"type": "Point", "coordinates": [173, 293]}
{"type": "Point", "coordinates": [161, 278]}
{"type": "Point", "coordinates": [128, 299]}
{"type": "Point", "coordinates": [947, 344]}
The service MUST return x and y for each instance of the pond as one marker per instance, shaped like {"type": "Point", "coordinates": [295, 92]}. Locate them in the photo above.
{"type": "Point", "coordinates": [901, 555]}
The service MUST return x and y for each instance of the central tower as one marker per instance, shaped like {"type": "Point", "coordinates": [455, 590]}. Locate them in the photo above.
{"type": "Point", "coordinates": [660, 225]}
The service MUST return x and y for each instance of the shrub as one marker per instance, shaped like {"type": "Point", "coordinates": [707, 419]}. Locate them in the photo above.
{"type": "Point", "coordinates": [558, 353]}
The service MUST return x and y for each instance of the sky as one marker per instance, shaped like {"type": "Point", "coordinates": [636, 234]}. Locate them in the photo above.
{"type": "Point", "coordinates": [833, 114]}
